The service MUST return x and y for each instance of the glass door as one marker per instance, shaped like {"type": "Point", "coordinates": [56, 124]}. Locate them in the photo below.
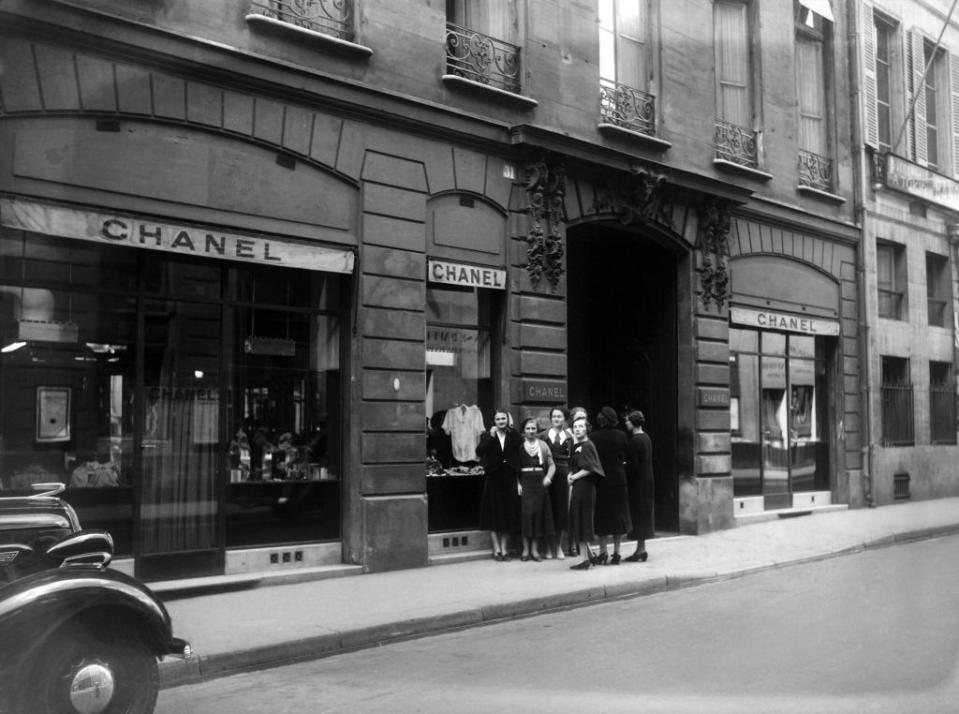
{"type": "Point", "coordinates": [778, 415]}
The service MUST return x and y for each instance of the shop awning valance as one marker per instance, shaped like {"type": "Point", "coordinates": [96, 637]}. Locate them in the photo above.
{"type": "Point", "coordinates": [180, 239]}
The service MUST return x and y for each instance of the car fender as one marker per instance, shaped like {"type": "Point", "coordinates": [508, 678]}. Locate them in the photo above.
{"type": "Point", "coordinates": [34, 607]}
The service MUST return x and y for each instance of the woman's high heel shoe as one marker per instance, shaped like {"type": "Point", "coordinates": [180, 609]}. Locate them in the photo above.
{"type": "Point", "coordinates": [585, 565]}
{"type": "Point", "coordinates": [637, 557]}
{"type": "Point", "coordinates": [599, 558]}
{"type": "Point", "coordinates": [614, 560]}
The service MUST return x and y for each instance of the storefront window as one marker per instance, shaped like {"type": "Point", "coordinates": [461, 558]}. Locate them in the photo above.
{"type": "Point", "coordinates": [459, 400]}
{"type": "Point", "coordinates": [284, 376]}
{"type": "Point", "coordinates": [778, 390]}
{"type": "Point", "coordinates": [209, 389]}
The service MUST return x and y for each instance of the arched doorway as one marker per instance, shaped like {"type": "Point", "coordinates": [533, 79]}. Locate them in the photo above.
{"type": "Point", "coordinates": [622, 313]}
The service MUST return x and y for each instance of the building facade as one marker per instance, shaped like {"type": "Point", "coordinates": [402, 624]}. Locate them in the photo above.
{"type": "Point", "coordinates": [269, 267]}
{"type": "Point", "coordinates": [908, 92]}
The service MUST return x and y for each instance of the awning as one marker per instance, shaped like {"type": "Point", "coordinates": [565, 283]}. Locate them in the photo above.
{"type": "Point", "coordinates": [820, 7]}
{"type": "Point", "coordinates": [153, 234]}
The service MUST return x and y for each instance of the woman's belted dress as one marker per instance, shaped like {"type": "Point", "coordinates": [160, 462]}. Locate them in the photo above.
{"type": "Point", "coordinates": [536, 512]}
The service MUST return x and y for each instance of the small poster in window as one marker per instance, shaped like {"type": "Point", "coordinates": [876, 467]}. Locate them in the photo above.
{"type": "Point", "coordinates": [53, 414]}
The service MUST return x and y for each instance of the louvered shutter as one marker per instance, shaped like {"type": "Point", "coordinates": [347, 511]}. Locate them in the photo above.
{"type": "Point", "coordinates": [954, 109]}
{"type": "Point", "coordinates": [870, 111]}
{"type": "Point", "coordinates": [917, 93]}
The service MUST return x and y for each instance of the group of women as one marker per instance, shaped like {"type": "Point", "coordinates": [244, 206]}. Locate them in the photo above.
{"type": "Point", "coordinates": [568, 482]}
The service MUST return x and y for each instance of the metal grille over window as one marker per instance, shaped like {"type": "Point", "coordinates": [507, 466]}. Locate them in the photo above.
{"type": "Point", "coordinates": [328, 17]}
{"type": "Point", "coordinates": [481, 58]}
{"type": "Point", "coordinates": [736, 144]}
{"type": "Point", "coordinates": [898, 425]}
{"type": "Point", "coordinates": [626, 107]}
{"type": "Point", "coordinates": [815, 171]}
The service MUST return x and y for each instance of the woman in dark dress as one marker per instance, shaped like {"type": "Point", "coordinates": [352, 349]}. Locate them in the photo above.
{"type": "Point", "coordinates": [559, 439]}
{"type": "Point", "coordinates": [535, 477]}
{"type": "Point", "coordinates": [498, 452]}
{"type": "Point", "coordinates": [640, 484]}
{"type": "Point", "coordinates": [584, 471]}
{"type": "Point", "coordinates": [612, 502]}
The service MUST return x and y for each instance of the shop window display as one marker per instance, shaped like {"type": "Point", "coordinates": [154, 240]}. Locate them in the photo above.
{"type": "Point", "coordinates": [459, 396]}
{"type": "Point", "coordinates": [210, 389]}
{"type": "Point", "coordinates": [778, 388]}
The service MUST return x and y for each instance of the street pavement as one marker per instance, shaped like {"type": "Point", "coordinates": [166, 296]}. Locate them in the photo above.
{"type": "Point", "coordinates": [262, 626]}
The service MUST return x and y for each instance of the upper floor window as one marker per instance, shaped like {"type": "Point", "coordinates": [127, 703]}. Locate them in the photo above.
{"type": "Point", "coordinates": [891, 279]}
{"type": "Point", "coordinates": [625, 99]}
{"type": "Point", "coordinates": [934, 67]}
{"type": "Point", "coordinates": [735, 138]}
{"type": "Point", "coordinates": [938, 290]}
{"type": "Point", "coordinates": [812, 34]}
{"type": "Point", "coordinates": [733, 72]}
{"type": "Point", "coordinates": [885, 44]}
{"type": "Point", "coordinates": [481, 44]}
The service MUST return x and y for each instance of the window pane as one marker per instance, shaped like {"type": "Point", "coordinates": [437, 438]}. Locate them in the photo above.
{"type": "Point", "coordinates": [732, 64]}
{"type": "Point", "coordinates": [284, 462]}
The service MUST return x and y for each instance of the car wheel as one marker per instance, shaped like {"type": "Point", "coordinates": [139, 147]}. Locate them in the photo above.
{"type": "Point", "coordinates": [82, 672]}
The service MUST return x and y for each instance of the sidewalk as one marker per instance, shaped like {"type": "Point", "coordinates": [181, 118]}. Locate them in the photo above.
{"type": "Point", "coordinates": [268, 626]}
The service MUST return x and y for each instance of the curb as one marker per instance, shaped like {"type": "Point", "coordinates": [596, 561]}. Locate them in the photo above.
{"type": "Point", "coordinates": [174, 672]}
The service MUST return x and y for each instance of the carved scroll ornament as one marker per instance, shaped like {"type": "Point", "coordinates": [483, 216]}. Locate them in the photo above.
{"type": "Point", "coordinates": [712, 244]}
{"type": "Point", "coordinates": [546, 192]}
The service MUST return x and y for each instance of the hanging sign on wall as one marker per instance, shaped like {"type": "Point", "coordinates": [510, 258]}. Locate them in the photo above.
{"type": "Point", "coordinates": [137, 232]}
{"type": "Point", "coordinates": [440, 271]}
{"type": "Point", "coordinates": [770, 320]}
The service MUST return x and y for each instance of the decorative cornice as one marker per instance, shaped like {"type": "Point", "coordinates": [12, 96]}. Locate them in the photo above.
{"type": "Point", "coordinates": [712, 244]}
{"type": "Point", "coordinates": [546, 193]}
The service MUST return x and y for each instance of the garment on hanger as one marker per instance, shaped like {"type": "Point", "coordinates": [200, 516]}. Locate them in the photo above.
{"type": "Point", "coordinates": [464, 424]}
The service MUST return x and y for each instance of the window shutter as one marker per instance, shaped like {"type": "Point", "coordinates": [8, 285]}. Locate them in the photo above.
{"type": "Point", "coordinates": [917, 92]}
{"type": "Point", "coordinates": [954, 107]}
{"type": "Point", "coordinates": [870, 111]}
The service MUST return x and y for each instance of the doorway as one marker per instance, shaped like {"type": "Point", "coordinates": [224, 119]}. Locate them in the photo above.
{"type": "Point", "coordinates": [622, 333]}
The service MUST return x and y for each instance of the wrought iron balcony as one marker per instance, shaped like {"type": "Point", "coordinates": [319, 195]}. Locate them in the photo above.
{"type": "Point", "coordinates": [480, 58]}
{"type": "Point", "coordinates": [328, 17]}
{"type": "Point", "coordinates": [626, 107]}
{"type": "Point", "coordinates": [737, 144]}
{"type": "Point", "coordinates": [815, 171]}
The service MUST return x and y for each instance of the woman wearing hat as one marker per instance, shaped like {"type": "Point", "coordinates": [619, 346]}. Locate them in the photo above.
{"type": "Point", "coordinates": [640, 483]}
{"type": "Point", "coordinates": [612, 502]}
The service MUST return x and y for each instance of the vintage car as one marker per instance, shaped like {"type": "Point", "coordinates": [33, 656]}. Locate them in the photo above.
{"type": "Point", "coordinates": [76, 636]}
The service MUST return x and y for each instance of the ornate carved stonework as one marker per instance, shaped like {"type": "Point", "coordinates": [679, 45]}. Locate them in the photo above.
{"type": "Point", "coordinates": [546, 192]}
{"type": "Point", "coordinates": [640, 196]}
{"type": "Point", "coordinates": [712, 244]}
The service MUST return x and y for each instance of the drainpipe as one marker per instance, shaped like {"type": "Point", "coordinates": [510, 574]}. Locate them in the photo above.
{"type": "Point", "coordinates": [864, 164]}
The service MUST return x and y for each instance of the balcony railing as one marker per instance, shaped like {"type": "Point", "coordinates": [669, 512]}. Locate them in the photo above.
{"type": "Point", "coordinates": [328, 17]}
{"type": "Point", "coordinates": [815, 171]}
{"type": "Point", "coordinates": [737, 144]}
{"type": "Point", "coordinates": [480, 58]}
{"type": "Point", "coordinates": [627, 108]}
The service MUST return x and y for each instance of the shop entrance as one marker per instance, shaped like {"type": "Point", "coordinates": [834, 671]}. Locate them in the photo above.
{"type": "Point", "coordinates": [623, 341]}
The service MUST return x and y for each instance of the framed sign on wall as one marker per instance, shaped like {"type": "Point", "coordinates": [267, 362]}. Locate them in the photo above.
{"type": "Point", "coordinates": [53, 414]}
